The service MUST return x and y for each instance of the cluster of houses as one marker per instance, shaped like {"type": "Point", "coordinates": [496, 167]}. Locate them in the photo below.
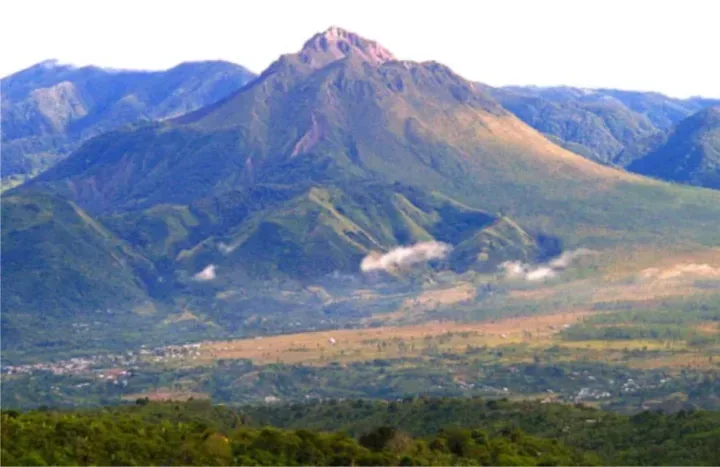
{"type": "Point", "coordinates": [123, 362]}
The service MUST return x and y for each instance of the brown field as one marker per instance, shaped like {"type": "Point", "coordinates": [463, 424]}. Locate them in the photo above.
{"type": "Point", "coordinates": [458, 294]}
{"type": "Point", "coordinates": [666, 277]}
{"type": "Point", "coordinates": [426, 301]}
{"type": "Point", "coordinates": [534, 294]}
{"type": "Point", "coordinates": [709, 327]}
{"type": "Point", "coordinates": [349, 345]}
{"type": "Point", "coordinates": [643, 277]}
{"type": "Point", "coordinates": [679, 361]}
{"type": "Point", "coordinates": [628, 262]}
{"type": "Point", "coordinates": [609, 345]}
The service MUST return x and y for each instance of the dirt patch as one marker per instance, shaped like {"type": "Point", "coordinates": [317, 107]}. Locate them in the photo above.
{"type": "Point", "coordinates": [427, 301]}
{"type": "Point", "coordinates": [180, 317]}
{"type": "Point", "coordinates": [434, 298]}
{"type": "Point", "coordinates": [533, 294]}
{"type": "Point", "coordinates": [629, 262]}
{"type": "Point", "coordinates": [709, 327]}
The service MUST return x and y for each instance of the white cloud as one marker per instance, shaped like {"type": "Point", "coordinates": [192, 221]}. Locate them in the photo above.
{"type": "Point", "coordinates": [225, 249]}
{"type": "Point", "coordinates": [405, 256]}
{"type": "Point", "coordinates": [206, 274]}
{"type": "Point", "coordinates": [538, 272]}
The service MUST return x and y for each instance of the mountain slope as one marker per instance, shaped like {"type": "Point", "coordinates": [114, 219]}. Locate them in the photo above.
{"type": "Point", "coordinates": [46, 235]}
{"type": "Point", "coordinates": [597, 130]}
{"type": "Point", "coordinates": [341, 110]}
{"type": "Point", "coordinates": [49, 109]}
{"type": "Point", "coordinates": [331, 229]}
{"type": "Point", "coordinates": [220, 257]}
{"type": "Point", "coordinates": [690, 154]}
{"type": "Point", "coordinates": [60, 268]}
{"type": "Point", "coordinates": [605, 125]}
{"type": "Point", "coordinates": [322, 115]}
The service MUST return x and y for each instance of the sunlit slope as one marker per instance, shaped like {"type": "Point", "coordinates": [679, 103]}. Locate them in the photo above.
{"type": "Point", "coordinates": [338, 118]}
{"type": "Point", "coordinates": [318, 230]}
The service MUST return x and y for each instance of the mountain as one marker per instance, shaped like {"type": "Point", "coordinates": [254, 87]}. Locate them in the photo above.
{"type": "Point", "coordinates": [689, 154]}
{"type": "Point", "coordinates": [49, 109]}
{"type": "Point", "coordinates": [606, 125]}
{"type": "Point", "coordinates": [335, 153]}
{"type": "Point", "coordinates": [342, 111]}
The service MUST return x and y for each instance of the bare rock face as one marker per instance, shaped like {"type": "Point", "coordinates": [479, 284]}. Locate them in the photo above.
{"type": "Point", "coordinates": [336, 43]}
{"type": "Point", "coordinates": [60, 105]}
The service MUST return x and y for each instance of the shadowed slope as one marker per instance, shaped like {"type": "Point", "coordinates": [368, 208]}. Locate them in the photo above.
{"type": "Point", "coordinates": [606, 125]}
{"type": "Point", "coordinates": [690, 154]}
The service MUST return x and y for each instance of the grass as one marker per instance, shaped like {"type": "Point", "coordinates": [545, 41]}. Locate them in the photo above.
{"type": "Point", "coordinates": [352, 345]}
{"type": "Point", "coordinates": [520, 339]}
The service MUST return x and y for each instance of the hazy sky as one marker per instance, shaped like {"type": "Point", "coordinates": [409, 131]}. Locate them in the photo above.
{"type": "Point", "coordinates": [666, 46]}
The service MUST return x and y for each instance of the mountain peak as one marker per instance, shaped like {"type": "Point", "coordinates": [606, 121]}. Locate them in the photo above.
{"type": "Point", "coordinates": [701, 121]}
{"type": "Point", "coordinates": [712, 114]}
{"type": "Point", "coordinates": [336, 43]}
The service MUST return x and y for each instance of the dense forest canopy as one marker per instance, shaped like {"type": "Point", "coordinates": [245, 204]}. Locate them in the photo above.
{"type": "Point", "coordinates": [414, 431]}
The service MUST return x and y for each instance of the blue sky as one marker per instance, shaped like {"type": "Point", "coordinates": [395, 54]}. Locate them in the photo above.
{"type": "Point", "coordinates": [665, 46]}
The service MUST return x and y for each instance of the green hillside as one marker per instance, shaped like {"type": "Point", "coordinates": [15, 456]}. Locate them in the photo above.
{"type": "Point", "coordinates": [597, 130]}
{"type": "Point", "coordinates": [62, 268]}
{"type": "Point", "coordinates": [266, 234]}
{"type": "Point", "coordinates": [58, 255]}
{"type": "Point", "coordinates": [689, 154]}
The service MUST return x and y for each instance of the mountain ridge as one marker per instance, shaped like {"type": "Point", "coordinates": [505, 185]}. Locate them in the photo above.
{"type": "Point", "coordinates": [690, 153]}
{"type": "Point", "coordinates": [49, 109]}
{"type": "Point", "coordinates": [607, 125]}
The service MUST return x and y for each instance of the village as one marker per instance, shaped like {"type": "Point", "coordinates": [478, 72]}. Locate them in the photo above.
{"type": "Point", "coordinates": [109, 366]}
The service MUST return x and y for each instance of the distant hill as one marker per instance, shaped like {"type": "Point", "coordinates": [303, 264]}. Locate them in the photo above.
{"type": "Point", "coordinates": [49, 109]}
{"type": "Point", "coordinates": [609, 126]}
{"type": "Point", "coordinates": [689, 154]}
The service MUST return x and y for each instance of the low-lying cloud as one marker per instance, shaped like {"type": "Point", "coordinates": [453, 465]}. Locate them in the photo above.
{"type": "Point", "coordinates": [566, 259]}
{"type": "Point", "coordinates": [225, 249]}
{"type": "Point", "coordinates": [405, 256]}
{"type": "Point", "coordinates": [520, 270]}
{"type": "Point", "coordinates": [206, 274]}
{"type": "Point", "coordinates": [538, 272]}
